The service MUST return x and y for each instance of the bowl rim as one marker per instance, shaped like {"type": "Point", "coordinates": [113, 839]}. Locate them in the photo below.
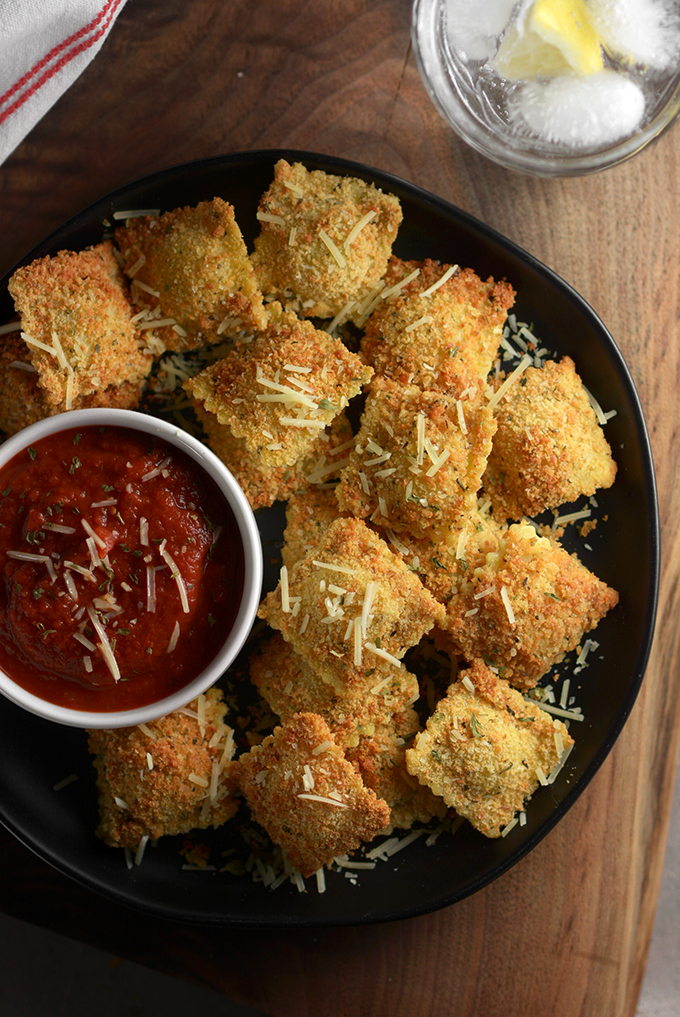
{"type": "Point", "coordinates": [431, 67]}
{"type": "Point", "coordinates": [206, 461]}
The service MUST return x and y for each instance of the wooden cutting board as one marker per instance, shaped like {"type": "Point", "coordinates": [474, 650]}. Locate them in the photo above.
{"type": "Point", "coordinates": [566, 931]}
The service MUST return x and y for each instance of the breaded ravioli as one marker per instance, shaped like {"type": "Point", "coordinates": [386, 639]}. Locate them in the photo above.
{"type": "Point", "coordinates": [350, 605]}
{"type": "Point", "coordinates": [418, 459]}
{"type": "Point", "coordinates": [527, 606]}
{"type": "Point", "coordinates": [22, 401]}
{"type": "Point", "coordinates": [325, 240]}
{"type": "Point", "coordinates": [444, 563]}
{"type": "Point", "coordinates": [166, 777]}
{"type": "Point", "coordinates": [308, 516]}
{"type": "Point", "coordinates": [380, 759]}
{"type": "Point", "coordinates": [440, 330]}
{"type": "Point", "coordinates": [485, 749]}
{"type": "Point", "coordinates": [305, 794]}
{"type": "Point", "coordinates": [280, 391]}
{"type": "Point", "coordinates": [290, 684]}
{"type": "Point", "coordinates": [263, 485]}
{"type": "Point", "coordinates": [549, 447]}
{"type": "Point", "coordinates": [77, 324]}
{"type": "Point", "coordinates": [192, 266]}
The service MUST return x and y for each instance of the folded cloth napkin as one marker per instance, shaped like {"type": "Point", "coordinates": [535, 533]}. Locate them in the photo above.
{"type": "Point", "coordinates": [44, 46]}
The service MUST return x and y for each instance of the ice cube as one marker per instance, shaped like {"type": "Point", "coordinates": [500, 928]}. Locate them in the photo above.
{"type": "Point", "coordinates": [588, 112]}
{"type": "Point", "coordinates": [473, 27]}
{"type": "Point", "coordinates": [641, 31]}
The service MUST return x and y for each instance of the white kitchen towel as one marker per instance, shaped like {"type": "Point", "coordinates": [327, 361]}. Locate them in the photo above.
{"type": "Point", "coordinates": [44, 46]}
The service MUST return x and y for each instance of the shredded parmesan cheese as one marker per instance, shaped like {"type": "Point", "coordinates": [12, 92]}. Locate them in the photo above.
{"type": "Point", "coordinates": [335, 252]}
{"type": "Point", "coordinates": [268, 217]}
{"type": "Point", "coordinates": [324, 799]}
{"type": "Point", "coordinates": [440, 282]}
{"type": "Point", "coordinates": [420, 430]}
{"type": "Point", "coordinates": [285, 594]}
{"type": "Point", "coordinates": [38, 344]}
{"type": "Point", "coordinates": [525, 362]}
{"type": "Point", "coordinates": [507, 605]}
{"type": "Point", "coordinates": [91, 533]}
{"type": "Point", "coordinates": [333, 568]}
{"type": "Point", "coordinates": [394, 291]}
{"type": "Point", "coordinates": [137, 213]}
{"type": "Point", "coordinates": [424, 320]}
{"type": "Point", "coordinates": [383, 653]}
{"type": "Point", "coordinates": [175, 573]}
{"type": "Point", "coordinates": [357, 228]}
{"type": "Point", "coordinates": [104, 645]}
{"type": "Point", "coordinates": [173, 638]}
{"type": "Point", "coordinates": [356, 624]}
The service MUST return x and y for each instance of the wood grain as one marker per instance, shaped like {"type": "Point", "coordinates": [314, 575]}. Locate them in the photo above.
{"type": "Point", "coordinates": [567, 930]}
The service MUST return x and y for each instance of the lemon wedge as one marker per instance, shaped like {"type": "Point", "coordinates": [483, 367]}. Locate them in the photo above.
{"type": "Point", "coordinates": [555, 37]}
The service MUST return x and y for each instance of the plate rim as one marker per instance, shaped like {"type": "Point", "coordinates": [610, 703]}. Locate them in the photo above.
{"type": "Point", "coordinates": [385, 180]}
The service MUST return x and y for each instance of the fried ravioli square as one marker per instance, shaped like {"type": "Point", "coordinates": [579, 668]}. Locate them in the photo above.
{"type": "Point", "coordinates": [263, 485]}
{"type": "Point", "coordinates": [290, 684]}
{"type": "Point", "coordinates": [444, 563]}
{"type": "Point", "coordinates": [436, 326]}
{"type": "Point", "coordinates": [351, 604]}
{"type": "Point", "coordinates": [527, 606]}
{"type": "Point", "coordinates": [418, 459]}
{"type": "Point", "coordinates": [192, 265]}
{"type": "Point", "coordinates": [166, 777]}
{"type": "Point", "coordinates": [549, 447]}
{"type": "Point", "coordinates": [325, 240]}
{"type": "Point", "coordinates": [485, 749]}
{"type": "Point", "coordinates": [305, 794]}
{"type": "Point", "coordinates": [77, 324]}
{"type": "Point", "coordinates": [280, 391]}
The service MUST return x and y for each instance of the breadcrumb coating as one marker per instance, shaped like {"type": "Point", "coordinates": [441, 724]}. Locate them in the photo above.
{"type": "Point", "coordinates": [383, 607]}
{"type": "Point", "coordinates": [291, 259]}
{"type": "Point", "coordinates": [289, 684]}
{"type": "Point", "coordinates": [276, 776]}
{"type": "Point", "coordinates": [446, 340]}
{"type": "Point", "coordinates": [22, 401]}
{"type": "Point", "coordinates": [486, 751]}
{"type": "Point", "coordinates": [79, 298]}
{"type": "Point", "coordinates": [192, 265]}
{"type": "Point", "coordinates": [549, 447]}
{"type": "Point", "coordinates": [308, 516]}
{"type": "Point", "coordinates": [526, 607]}
{"type": "Point", "coordinates": [418, 459]}
{"type": "Point", "coordinates": [145, 780]}
{"type": "Point", "coordinates": [280, 391]}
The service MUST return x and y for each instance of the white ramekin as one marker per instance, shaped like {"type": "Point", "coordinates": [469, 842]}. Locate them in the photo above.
{"type": "Point", "coordinates": [206, 461]}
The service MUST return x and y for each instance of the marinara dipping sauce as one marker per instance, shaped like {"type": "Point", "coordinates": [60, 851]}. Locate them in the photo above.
{"type": "Point", "coordinates": [122, 569]}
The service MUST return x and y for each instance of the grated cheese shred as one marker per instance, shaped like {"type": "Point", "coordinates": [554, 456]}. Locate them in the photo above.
{"type": "Point", "coordinates": [440, 282]}
{"type": "Point", "coordinates": [337, 254]}
{"type": "Point", "coordinates": [525, 362]}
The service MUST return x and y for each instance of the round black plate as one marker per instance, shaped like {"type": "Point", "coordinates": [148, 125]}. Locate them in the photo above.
{"type": "Point", "coordinates": [34, 754]}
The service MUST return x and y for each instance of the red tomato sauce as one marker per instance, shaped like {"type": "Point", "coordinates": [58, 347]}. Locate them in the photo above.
{"type": "Point", "coordinates": [122, 569]}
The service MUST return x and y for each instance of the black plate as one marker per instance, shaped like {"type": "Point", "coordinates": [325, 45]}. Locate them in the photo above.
{"type": "Point", "coordinates": [34, 754]}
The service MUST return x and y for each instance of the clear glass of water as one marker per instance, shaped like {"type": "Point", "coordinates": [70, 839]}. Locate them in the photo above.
{"type": "Point", "coordinates": [497, 116]}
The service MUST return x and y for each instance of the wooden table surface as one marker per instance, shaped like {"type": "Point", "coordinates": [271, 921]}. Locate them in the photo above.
{"type": "Point", "coordinates": [566, 931]}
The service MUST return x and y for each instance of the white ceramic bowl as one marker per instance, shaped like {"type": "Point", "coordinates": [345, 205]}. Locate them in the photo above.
{"type": "Point", "coordinates": [207, 462]}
